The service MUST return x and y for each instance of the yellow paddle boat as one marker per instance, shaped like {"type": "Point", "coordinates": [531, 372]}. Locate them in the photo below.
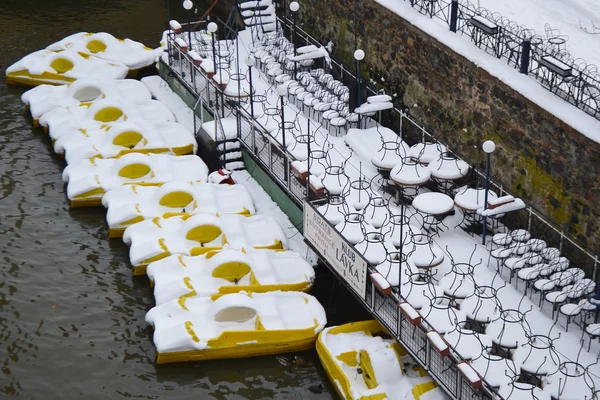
{"type": "Point", "coordinates": [105, 46]}
{"type": "Point", "coordinates": [236, 325]}
{"type": "Point", "coordinates": [45, 98]}
{"type": "Point", "coordinates": [229, 271]}
{"type": "Point", "coordinates": [59, 68]}
{"type": "Point", "coordinates": [364, 363]}
{"type": "Point", "coordinates": [88, 180]}
{"type": "Point", "coordinates": [131, 136]}
{"type": "Point", "coordinates": [154, 239]}
{"type": "Point", "coordinates": [102, 114]}
{"type": "Point", "coordinates": [130, 204]}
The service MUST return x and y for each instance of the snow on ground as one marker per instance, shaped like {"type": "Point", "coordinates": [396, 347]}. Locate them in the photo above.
{"type": "Point", "coordinates": [462, 247]}
{"type": "Point", "coordinates": [524, 84]}
{"type": "Point", "coordinates": [567, 17]}
{"type": "Point", "coordinates": [264, 205]}
{"type": "Point", "coordinates": [162, 92]}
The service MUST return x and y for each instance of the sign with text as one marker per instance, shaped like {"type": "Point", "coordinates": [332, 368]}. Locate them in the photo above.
{"type": "Point", "coordinates": [331, 246]}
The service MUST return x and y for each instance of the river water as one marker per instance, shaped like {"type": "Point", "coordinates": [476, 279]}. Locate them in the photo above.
{"type": "Point", "coordinates": [71, 314]}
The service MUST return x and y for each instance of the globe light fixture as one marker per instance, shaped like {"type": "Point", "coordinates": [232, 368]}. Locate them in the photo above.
{"type": "Point", "coordinates": [359, 55]}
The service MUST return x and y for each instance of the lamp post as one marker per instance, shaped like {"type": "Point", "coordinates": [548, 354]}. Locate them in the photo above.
{"type": "Point", "coordinates": [489, 147]}
{"type": "Point", "coordinates": [294, 7]}
{"type": "Point", "coordinates": [282, 92]}
{"type": "Point", "coordinates": [212, 28]}
{"type": "Point", "coordinates": [187, 4]}
{"type": "Point", "coordinates": [249, 62]}
{"type": "Point", "coordinates": [359, 55]}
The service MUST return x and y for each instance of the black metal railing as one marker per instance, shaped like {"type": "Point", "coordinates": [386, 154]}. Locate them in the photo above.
{"type": "Point", "coordinates": [413, 132]}
{"type": "Point", "coordinates": [573, 80]}
{"type": "Point", "coordinates": [413, 335]}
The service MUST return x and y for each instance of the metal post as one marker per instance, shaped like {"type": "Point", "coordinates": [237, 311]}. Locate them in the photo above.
{"type": "Point", "coordinates": [251, 93]}
{"type": "Point", "coordinates": [358, 88]}
{"type": "Point", "coordinates": [215, 108]}
{"type": "Point", "coordinates": [190, 34]}
{"type": "Point", "coordinates": [308, 161]}
{"type": "Point", "coordinates": [453, 15]}
{"type": "Point", "coordinates": [294, 44]}
{"type": "Point", "coordinates": [487, 189]}
{"type": "Point", "coordinates": [285, 164]}
{"type": "Point", "coordinates": [525, 55]}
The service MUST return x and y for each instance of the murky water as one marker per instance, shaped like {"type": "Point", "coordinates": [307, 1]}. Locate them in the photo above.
{"type": "Point", "coordinates": [71, 315]}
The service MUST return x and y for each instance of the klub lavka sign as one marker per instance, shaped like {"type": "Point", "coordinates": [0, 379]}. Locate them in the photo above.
{"type": "Point", "coordinates": [335, 250]}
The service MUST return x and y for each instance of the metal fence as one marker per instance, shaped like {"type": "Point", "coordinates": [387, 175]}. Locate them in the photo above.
{"type": "Point", "coordinates": [413, 132]}
{"type": "Point", "coordinates": [274, 158]}
{"type": "Point", "coordinates": [413, 336]}
{"type": "Point", "coordinates": [544, 58]}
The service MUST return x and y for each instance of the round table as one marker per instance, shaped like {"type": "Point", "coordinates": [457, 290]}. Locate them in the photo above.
{"type": "Point", "coordinates": [433, 203]}
{"type": "Point", "coordinates": [469, 200]}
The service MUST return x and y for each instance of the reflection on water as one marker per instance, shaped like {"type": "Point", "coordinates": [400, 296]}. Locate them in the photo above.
{"type": "Point", "coordinates": [71, 315]}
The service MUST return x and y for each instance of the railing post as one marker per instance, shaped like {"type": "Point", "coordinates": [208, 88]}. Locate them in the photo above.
{"type": "Point", "coordinates": [594, 274]}
{"type": "Point", "coordinates": [562, 237]}
{"type": "Point", "coordinates": [525, 55]}
{"type": "Point", "coordinates": [453, 15]}
{"type": "Point", "coordinates": [529, 219]}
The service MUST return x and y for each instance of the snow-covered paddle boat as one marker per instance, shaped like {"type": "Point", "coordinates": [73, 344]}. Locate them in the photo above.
{"type": "Point", "coordinates": [44, 98]}
{"type": "Point", "coordinates": [88, 180]}
{"type": "Point", "coordinates": [130, 204]}
{"type": "Point", "coordinates": [131, 136]}
{"type": "Point", "coordinates": [154, 239]}
{"type": "Point", "coordinates": [105, 46]}
{"type": "Point", "coordinates": [59, 68]}
{"type": "Point", "coordinates": [229, 271]}
{"type": "Point", "coordinates": [236, 325]}
{"type": "Point", "coordinates": [364, 363]}
{"type": "Point", "coordinates": [102, 114]}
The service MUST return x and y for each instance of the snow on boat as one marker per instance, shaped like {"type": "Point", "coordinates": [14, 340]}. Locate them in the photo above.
{"type": "Point", "coordinates": [235, 325]}
{"type": "Point", "coordinates": [229, 271]}
{"type": "Point", "coordinates": [88, 180]}
{"type": "Point", "coordinates": [155, 239]}
{"type": "Point", "coordinates": [59, 68]}
{"type": "Point", "coordinates": [364, 363]}
{"type": "Point", "coordinates": [44, 98]}
{"type": "Point", "coordinates": [105, 46]}
{"type": "Point", "coordinates": [102, 114]}
{"type": "Point", "coordinates": [130, 204]}
{"type": "Point", "coordinates": [131, 136]}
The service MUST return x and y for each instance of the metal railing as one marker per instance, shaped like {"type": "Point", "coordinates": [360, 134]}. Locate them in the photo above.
{"type": "Point", "coordinates": [413, 132]}
{"type": "Point", "coordinates": [544, 58]}
{"type": "Point", "coordinates": [276, 160]}
{"type": "Point", "coordinates": [413, 336]}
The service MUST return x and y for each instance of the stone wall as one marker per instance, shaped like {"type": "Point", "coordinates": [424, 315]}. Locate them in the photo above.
{"type": "Point", "coordinates": [538, 157]}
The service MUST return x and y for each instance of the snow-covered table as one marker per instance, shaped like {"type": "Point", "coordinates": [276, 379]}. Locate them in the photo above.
{"type": "Point", "coordinates": [433, 206]}
{"type": "Point", "coordinates": [433, 203]}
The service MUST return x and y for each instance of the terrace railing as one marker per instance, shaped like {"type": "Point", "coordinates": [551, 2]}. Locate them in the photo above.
{"type": "Point", "coordinates": [413, 132]}
{"type": "Point", "coordinates": [410, 332]}
{"type": "Point", "coordinates": [543, 58]}
{"type": "Point", "coordinates": [274, 158]}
